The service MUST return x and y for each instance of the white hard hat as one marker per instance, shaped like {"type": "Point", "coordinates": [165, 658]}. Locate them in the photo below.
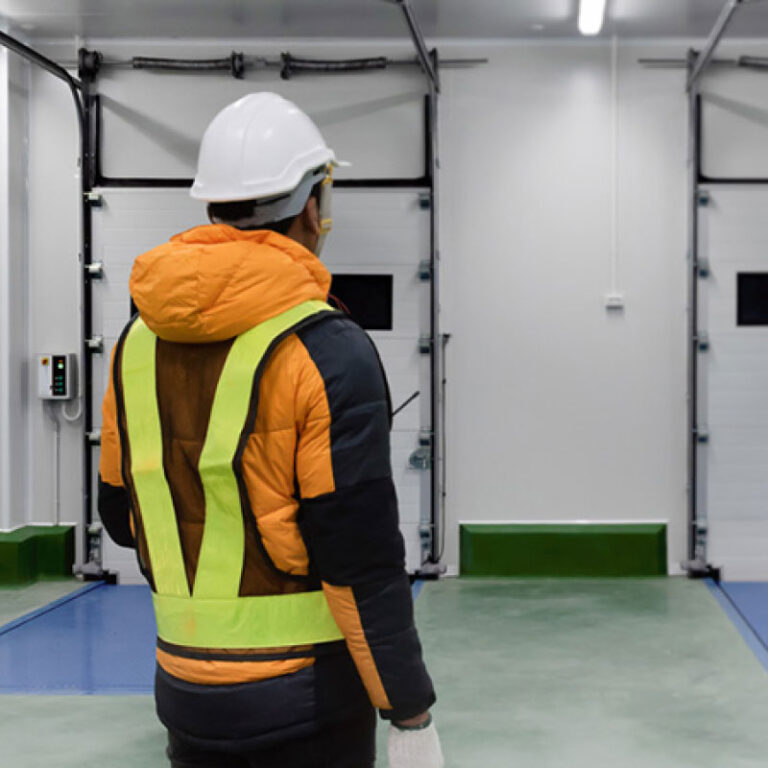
{"type": "Point", "coordinates": [262, 146]}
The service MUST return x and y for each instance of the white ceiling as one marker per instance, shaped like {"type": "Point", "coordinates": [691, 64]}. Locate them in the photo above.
{"type": "Point", "coordinates": [366, 18]}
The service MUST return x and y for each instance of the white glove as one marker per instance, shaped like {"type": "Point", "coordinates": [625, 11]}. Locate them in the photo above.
{"type": "Point", "coordinates": [415, 747]}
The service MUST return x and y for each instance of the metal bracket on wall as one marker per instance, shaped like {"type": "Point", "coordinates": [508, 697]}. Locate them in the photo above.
{"type": "Point", "coordinates": [422, 458]}
{"type": "Point", "coordinates": [702, 435]}
{"type": "Point", "coordinates": [704, 198]}
{"type": "Point", "coordinates": [89, 63]}
{"type": "Point", "coordinates": [702, 268]}
{"type": "Point", "coordinates": [95, 344]}
{"type": "Point", "coordinates": [94, 199]}
{"type": "Point", "coordinates": [425, 345]}
{"type": "Point", "coordinates": [95, 270]}
{"type": "Point", "coordinates": [698, 569]}
{"type": "Point", "coordinates": [702, 341]}
{"type": "Point", "coordinates": [425, 270]}
{"type": "Point", "coordinates": [93, 437]}
{"type": "Point", "coordinates": [93, 570]}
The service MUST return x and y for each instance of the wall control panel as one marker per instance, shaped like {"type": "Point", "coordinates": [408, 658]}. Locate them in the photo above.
{"type": "Point", "coordinates": [56, 375]}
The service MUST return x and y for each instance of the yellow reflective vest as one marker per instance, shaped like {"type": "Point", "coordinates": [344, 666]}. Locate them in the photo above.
{"type": "Point", "coordinates": [211, 615]}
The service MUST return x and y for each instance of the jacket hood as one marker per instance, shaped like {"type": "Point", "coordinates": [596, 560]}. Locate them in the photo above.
{"type": "Point", "coordinates": [214, 282]}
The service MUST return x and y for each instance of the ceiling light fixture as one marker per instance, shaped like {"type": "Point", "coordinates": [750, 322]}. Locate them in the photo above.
{"type": "Point", "coordinates": [591, 15]}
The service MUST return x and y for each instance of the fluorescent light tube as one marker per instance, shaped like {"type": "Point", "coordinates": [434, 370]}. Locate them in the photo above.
{"type": "Point", "coordinates": [591, 14]}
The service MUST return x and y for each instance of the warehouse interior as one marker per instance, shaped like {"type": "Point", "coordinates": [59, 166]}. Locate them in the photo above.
{"type": "Point", "coordinates": [559, 239]}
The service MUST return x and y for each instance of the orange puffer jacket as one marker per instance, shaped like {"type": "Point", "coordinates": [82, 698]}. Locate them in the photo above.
{"type": "Point", "coordinates": [319, 504]}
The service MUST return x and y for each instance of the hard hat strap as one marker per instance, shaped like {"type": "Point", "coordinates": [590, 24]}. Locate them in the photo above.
{"type": "Point", "coordinates": [324, 206]}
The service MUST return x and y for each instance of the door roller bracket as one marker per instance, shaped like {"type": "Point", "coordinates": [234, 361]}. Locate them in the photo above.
{"type": "Point", "coordinates": [93, 437]}
{"type": "Point", "coordinates": [94, 199]}
{"type": "Point", "coordinates": [421, 459]}
{"type": "Point", "coordinates": [94, 270]}
{"type": "Point", "coordinates": [95, 344]}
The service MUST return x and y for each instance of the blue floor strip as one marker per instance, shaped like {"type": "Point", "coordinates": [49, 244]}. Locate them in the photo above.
{"type": "Point", "coordinates": [745, 605]}
{"type": "Point", "coordinates": [98, 641]}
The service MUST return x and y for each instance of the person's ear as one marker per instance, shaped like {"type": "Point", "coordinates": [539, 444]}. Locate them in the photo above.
{"type": "Point", "coordinates": [311, 215]}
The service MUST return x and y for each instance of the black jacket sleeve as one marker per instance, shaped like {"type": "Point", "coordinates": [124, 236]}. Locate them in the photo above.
{"type": "Point", "coordinates": [352, 532]}
{"type": "Point", "coordinates": [115, 511]}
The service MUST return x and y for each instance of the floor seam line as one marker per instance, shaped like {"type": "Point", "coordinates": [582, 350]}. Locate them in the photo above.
{"type": "Point", "coordinates": [742, 625]}
{"type": "Point", "coordinates": [52, 606]}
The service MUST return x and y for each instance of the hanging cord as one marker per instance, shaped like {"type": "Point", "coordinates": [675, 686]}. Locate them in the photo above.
{"type": "Point", "coordinates": [70, 418]}
{"type": "Point", "coordinates": [339, 304]}
{"type": "Point", "coordinates": [51, 414]}
{"type": "Point", "coordinates": [615, 189]}
{"type": "Point", "coordinates": [405, 404]}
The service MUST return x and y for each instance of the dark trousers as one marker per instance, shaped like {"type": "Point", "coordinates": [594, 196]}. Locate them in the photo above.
{"type": "Point", "coordinates": [348, 744]}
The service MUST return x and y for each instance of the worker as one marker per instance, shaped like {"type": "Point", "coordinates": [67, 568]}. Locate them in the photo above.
{"type": "Point", "coordinates": [245, 455]}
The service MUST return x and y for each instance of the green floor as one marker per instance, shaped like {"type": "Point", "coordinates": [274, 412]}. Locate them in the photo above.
{"type": "Point", "coordinates": [530, 674]}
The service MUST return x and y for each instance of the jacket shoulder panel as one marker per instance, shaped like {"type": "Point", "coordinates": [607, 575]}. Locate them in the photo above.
{"type": "Point", "coordinates": [347, 360]}
{"type": "Point", "coordinates": [358, 399]}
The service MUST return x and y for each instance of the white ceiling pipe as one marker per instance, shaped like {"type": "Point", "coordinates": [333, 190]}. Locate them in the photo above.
{"type": "Point", "coordinates": [591, 15]}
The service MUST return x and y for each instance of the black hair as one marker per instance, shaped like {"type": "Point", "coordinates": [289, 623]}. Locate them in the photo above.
{"type": "Point", "coordinates": [229, 213]}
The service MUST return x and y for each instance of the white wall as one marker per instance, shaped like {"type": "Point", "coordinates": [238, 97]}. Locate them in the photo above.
{"type": "Point", "coordinates": [54, 286]}
{"type": "Point", "coordinates": [557, 410]}
{"type": "Point", "coordinates": [14, 86]}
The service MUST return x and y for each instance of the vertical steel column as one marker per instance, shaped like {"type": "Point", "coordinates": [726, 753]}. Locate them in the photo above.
{"type": "Point", "coordinates": [86, 179]}
{"type": "Point", "coordinates": [430, 65]}
{"type": "Point", "coordinates": [89, 64]}
{"type": "Point", "coordinates": [696, 544]}
{"type": "Point", "coordinates": [436, 372]}
{"type": "Point", "coordinates": [697, 564]}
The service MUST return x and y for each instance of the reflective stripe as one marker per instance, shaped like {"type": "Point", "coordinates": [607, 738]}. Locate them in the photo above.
{"type": "Point", "coordinates": [213, 616]}
{"type": "Point", "coordinates": [146, 447]}
{"type": "Point", "coordinates": [220, 568]}
{"type": "Point", "coordinates": [273, 621]}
